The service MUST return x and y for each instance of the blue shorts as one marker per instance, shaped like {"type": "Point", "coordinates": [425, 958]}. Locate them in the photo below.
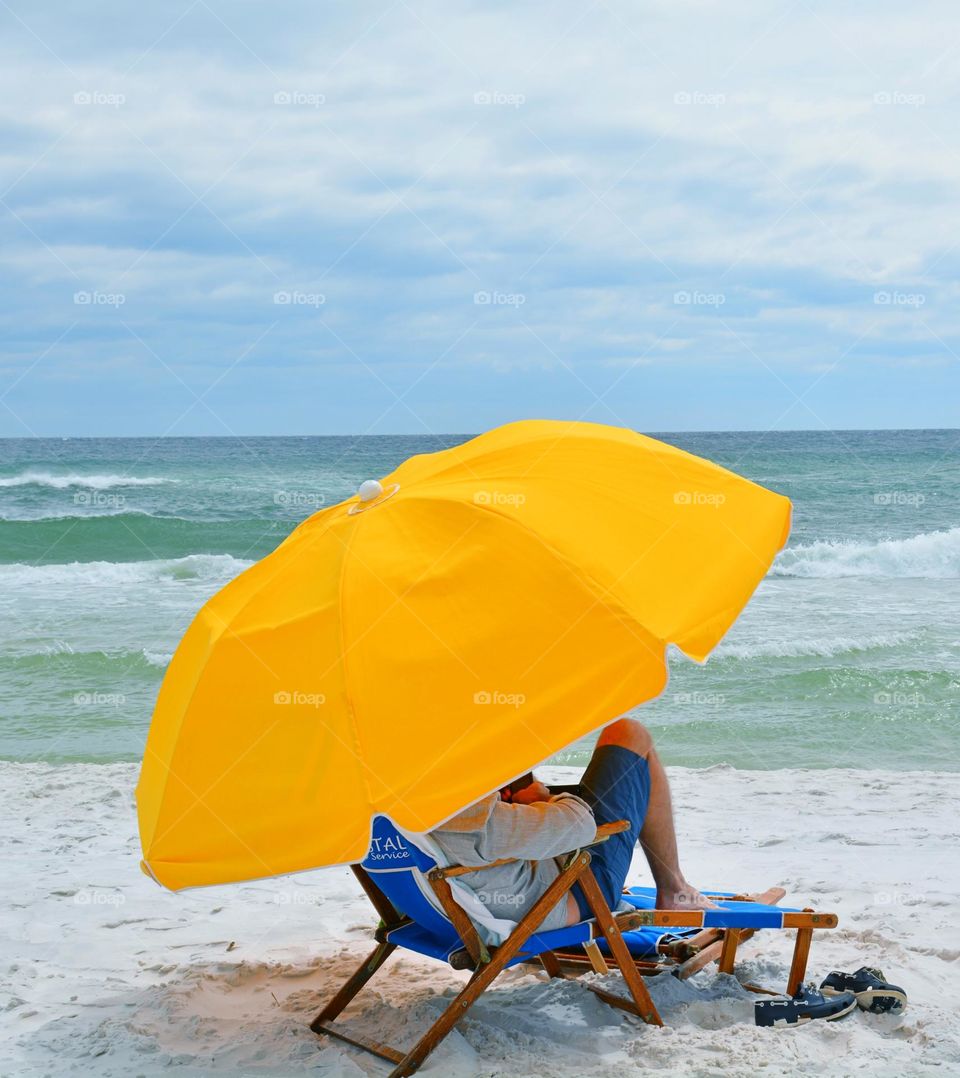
{"type": "Point", "coordinates": [616, 785]}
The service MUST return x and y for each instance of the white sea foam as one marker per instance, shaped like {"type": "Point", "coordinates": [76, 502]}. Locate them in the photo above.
{"type": "Point", "coordinates": [28, 516]}
{"type": "Point", "coordinates": [204, 568]}
{"type": "Point", "coordinates": [930, 554]}
{"type": "Point", "coordinates": [31, 516]}
{"type": "Point", "coordinates": [92, 482]}
{"type": "Point", "coordinates": [61, 648]}
{"type": "Point", "coordinates": [158, 658]}
{"type": "Point", "coordinates": [823, 648]}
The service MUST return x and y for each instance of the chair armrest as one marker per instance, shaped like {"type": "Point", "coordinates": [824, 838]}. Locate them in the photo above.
{"type": "Point", "coordinates": [604, 831]}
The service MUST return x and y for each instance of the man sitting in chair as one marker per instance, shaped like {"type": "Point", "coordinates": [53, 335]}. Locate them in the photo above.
{"type": "Point", "coordinates": [624, 781]}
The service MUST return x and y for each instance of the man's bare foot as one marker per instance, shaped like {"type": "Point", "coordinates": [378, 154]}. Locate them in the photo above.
{"type": "Point", "coordinates": [684, 898]}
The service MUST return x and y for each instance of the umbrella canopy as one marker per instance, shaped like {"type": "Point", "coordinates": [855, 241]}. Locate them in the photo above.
{"type": "Point", "coordinates": [413, 648]}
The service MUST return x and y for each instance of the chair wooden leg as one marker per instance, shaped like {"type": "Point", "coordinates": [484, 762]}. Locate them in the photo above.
{"type": "Point", "coordinates": [551, 964]}
{"type": "Point", "coordinates": [597, 962]}
{"type": "Point", "coordinates": [461, 922]}
{"type": "Point", "coordinates": [728, 951]}
{"type": "Point", "coordinates": [486, 974]}
{"type": "Point", "coordinates": [378, 899]}
{"type": "Point", "coordinates": [351, 987]}
{"type": "Point", "coordinates": [611, 932]}
{"type": "Point", "coordinates": [801, 952]}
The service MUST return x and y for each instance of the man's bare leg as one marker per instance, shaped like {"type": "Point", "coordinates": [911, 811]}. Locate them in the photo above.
{"type": "Point", "coordinates": [658, 836]}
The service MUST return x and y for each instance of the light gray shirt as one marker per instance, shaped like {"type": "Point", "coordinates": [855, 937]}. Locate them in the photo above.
{"type": "Point", "coordinates": [535, 834]}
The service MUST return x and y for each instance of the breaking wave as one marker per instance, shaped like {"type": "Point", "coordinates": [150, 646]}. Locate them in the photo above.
{"type": "Point", "coordinates": [930, 554]}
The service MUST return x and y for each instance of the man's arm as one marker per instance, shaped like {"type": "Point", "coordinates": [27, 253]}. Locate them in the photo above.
{"type": "Point", "coordinates": [539, 830]}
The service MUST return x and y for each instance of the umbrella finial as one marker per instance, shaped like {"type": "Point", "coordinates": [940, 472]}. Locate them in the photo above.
{"type": "Point", "coordinates": [369, 489]}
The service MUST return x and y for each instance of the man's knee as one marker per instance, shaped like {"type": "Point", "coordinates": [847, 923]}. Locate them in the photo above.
{"type": "Point", "coordinates": [628, 733]}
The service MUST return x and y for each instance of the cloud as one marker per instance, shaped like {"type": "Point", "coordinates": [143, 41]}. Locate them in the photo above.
{"type": "Point", "coordinates": [639, 202]}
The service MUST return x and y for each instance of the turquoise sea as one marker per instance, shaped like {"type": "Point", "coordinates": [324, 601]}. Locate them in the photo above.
{"type": "Point", "coordinates": [849, 654]}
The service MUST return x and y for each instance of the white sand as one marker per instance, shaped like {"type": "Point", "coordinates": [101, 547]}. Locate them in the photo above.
{"type": "Point", "coordinates": [104, 973]}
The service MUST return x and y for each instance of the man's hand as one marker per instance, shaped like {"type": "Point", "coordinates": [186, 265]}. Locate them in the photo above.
{"type": "Point", "coordinates": [529, 795]}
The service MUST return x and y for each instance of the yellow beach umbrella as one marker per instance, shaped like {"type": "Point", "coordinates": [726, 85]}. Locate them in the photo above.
{"type": "Point", "coordinates": [413, 648]}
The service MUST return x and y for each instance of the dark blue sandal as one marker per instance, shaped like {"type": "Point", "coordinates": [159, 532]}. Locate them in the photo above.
{"type": "Point", "coordinates": [870, 987]}
{"type": "Point", "coordinates": [805, 1006]}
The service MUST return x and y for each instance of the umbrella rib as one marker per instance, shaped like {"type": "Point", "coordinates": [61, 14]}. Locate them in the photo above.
{"type": "Point", "coordinates": [221, 628]}
{"type": "Point", "coordinates": [198, 799]}
{"type": "Point", "coordinates": [593, 586]}
{"type": "Point", "coordinates": [344, 651]}
{"type": "Point", "coordinates": [399, 599]}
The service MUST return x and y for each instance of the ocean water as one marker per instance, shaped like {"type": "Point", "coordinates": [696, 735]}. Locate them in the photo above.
{"type": "Point", "coordinates": [848, 655]}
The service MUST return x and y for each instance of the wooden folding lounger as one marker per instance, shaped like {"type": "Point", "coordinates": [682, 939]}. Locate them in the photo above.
{"type": "Point", "coordinates": [414, 897]}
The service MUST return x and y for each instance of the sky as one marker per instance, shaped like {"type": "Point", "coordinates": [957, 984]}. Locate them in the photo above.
{"type": "Point", "coordinates": [417, 217]}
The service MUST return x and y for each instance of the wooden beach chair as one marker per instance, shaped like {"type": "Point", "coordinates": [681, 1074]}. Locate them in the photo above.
{"type": "Point", "coordinates": [415, 898]}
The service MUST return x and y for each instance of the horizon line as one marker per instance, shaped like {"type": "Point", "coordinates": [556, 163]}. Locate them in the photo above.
{"type": "Point", "coordinates": [466, 434]}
